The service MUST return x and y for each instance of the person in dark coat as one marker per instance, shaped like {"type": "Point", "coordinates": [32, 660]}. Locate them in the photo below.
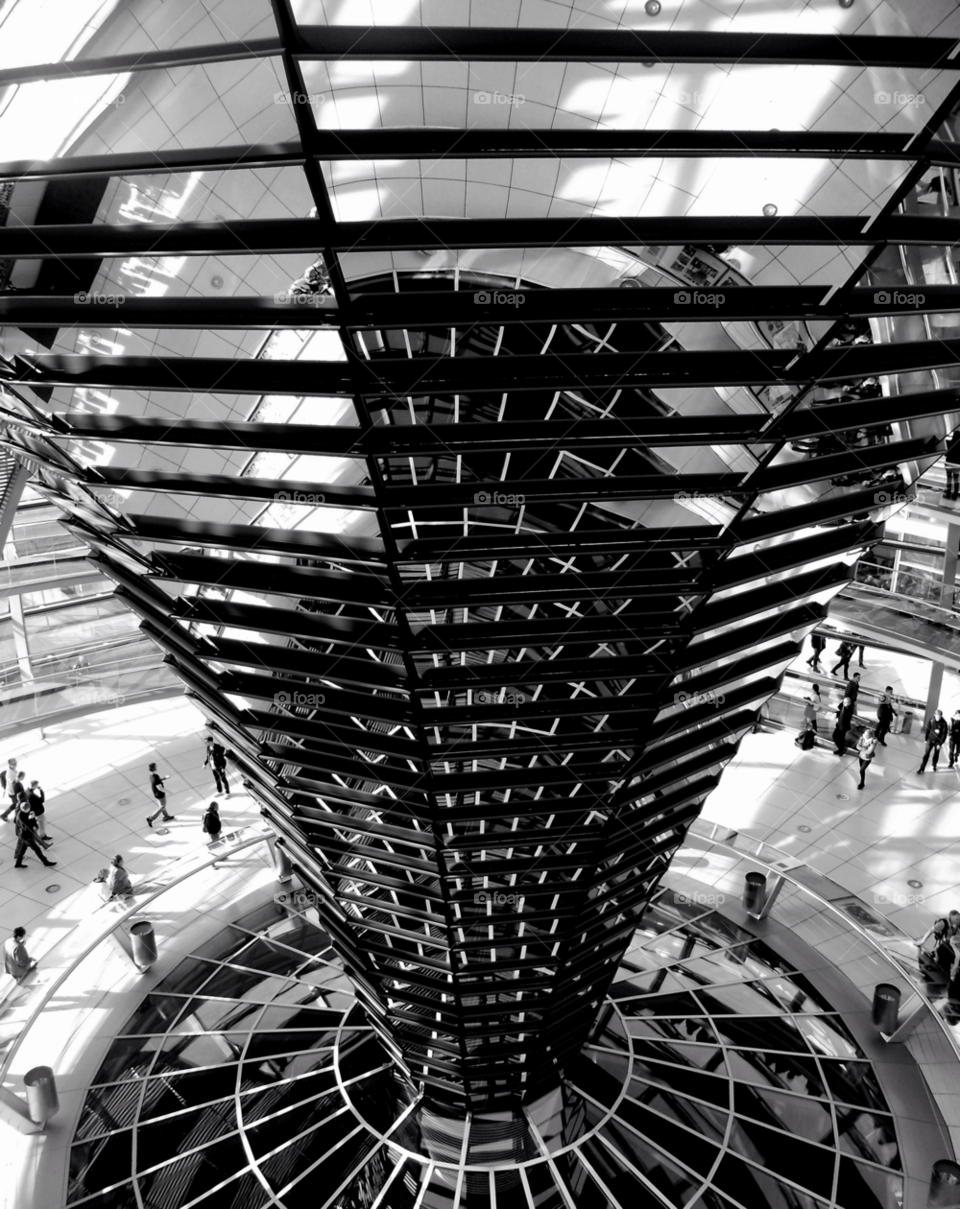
{"type": "Point", "coordinates": [952, 467]}
{"type": "Point", "coordinates": [885, 715]}
{"type": "Point", "coordinates": [36, 800]}
{"type": "Point", "coordinates": [27, 838]}
{"type": "Point", "coordinates": [845, 652]}
{"type": "Point", "coordinates": [844, 718]}
{"type": "Point", "coordinates": [852, 689]}
{"type": "Point", "coordinates": [807, 737]}
{"type": "Point", "coordinates": [954, 737]}
{"type": "Point", "coordinates": [935, 735]}
{"type": "Point", "coordinates": [212, 823]}
{"type": "Point", "coordinates": [819, 643]}
{"type": "Point", "coordinates": [12, 788]}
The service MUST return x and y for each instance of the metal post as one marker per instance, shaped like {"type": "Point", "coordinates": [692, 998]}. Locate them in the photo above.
{"type": "Point", "coordinates": [950, 555]}
{"type": "Point", "coordinates": [42, 1099]}
{"type": "Point", "coordinates": [944, 1185]}
{"type": "Point", "coordinates": [886, 1008]}
{"type": "Point", "coordinates": [21, 644]}
{"type": "Point", "coordinates": [281, 860]}
{"type": "Point", "coordinates": [933, 692]}
{"type": "Point", "coordinates": [144, 942]}
{"type": "Point", "coordinates": [771, 898]}
{"type": "Point", "coordinates": [754, 892]}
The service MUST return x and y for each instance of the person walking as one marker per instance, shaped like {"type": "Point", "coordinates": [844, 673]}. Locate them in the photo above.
{"type": "Point", "coordinates": [819, 643]}
{"type": "Point", "coordinates": [118, 884]}
{"type": "Point", "coordinates": [810, 713]}
{"type": "Point", "coordinates": [860, 656]}
{"type": "Point", "coordinates": [217, 759]}
{"type": "Point", "coordinates": [156, 786]}
{"type": "Point", "coordinates": [8, 780]}
{"type": "Point", "coordinates": [844, 718]}
{"type": "Point", "coordinates": [935, 735]}
{"type": "Point", "coordinates": [36, 800]}
{"type": "Point", "coordinates": [885, 715]}
{"type": "Point", "coordinates": [866, 750]}
{"type": "Point", "coordinates": [27, 838]}
{"type": "Point", "coordinates": [844, 651]}
{"type": "Point", "coordinates": [212, 823]}
{"type": "Point", "coordinates": [16, 960]}
{"type": "Point", "coordinates": [852, 689]}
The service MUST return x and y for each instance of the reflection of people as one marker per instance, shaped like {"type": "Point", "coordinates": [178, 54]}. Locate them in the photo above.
{"type": "Point", "coordinates": [79, 668]}
{"type": "Point", "coordinates": [952, 467]}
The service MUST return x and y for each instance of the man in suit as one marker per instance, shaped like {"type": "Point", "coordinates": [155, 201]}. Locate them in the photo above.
{"type": "Point", "coordinates": [885, 715]}
{"type": "Point", "coordinates": [935, 735]}
{"type": "Point", "coordinates": [27, 838]}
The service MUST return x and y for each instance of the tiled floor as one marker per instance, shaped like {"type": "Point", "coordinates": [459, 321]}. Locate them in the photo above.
{"type": "Point", "coordinates": [874, 841]}
{"type": "Point", "coordinates": [94, 772]}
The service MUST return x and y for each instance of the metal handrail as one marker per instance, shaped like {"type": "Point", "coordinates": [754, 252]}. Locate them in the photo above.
{"type": "Point", "coordinates": [137, 908]}
{"type": "Point", "coordinates": [949, 616]}
{"type": "Point", "coordinates": [850, 924]}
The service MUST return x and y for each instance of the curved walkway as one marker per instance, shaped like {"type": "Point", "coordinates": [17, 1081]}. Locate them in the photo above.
{"type": "Point", "coordinates": [920, 631]}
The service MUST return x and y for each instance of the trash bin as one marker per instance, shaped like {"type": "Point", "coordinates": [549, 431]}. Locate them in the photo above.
{"type": "Point", "coordinates": [907, 726]}
{"type": "Point", "coordinates": [281, 860]}
{"type": "Point", "coordinates": [944, 1185]}
{"type": "Point", "coordinates": [144, 942]}
{"type": "Point", "coordinates": [42, 1100]}
{"type": "Point", "coordinates": [886, 1007]}
{"type": "Point", "coordinates": [754, 892]}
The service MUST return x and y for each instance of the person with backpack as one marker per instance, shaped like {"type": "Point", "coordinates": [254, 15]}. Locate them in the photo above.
{"type": "Point", "coordinates": [935, 735]}
{"type": "Point", "coordinates": [217, 759]}
{"type": "Point", "coordinates": [212, 824]}
{"type": "Point", "coordinates": [885, 715]}
{"type": "Point", "coordinates": [845, 652]}
{"type": "Point", "coordinates": [156, 786]}
{"type": "Point", "coordinates": [819, 644]}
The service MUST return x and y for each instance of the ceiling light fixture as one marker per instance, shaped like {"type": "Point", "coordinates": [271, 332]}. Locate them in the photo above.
{"type": "Point", "coordinates": [769, 210]}
{"type": "Point", "coordinates": [216, 281]}
{"type": "Point", "coordinates": [652, 8]}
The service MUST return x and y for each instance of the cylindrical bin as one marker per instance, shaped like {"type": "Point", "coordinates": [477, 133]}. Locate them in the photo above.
{"type": "Point", "coordinates": [281, 861]}
{"type": "Point", "coordinates": [754, 892]}
{"type": "Point", "coordinates": [944, 1185]}
{"type": "Point", "coordinates": [886, 1007]}
{"type": "Point", "coordinates": [42, 1100]}
{"type": "Point", "coordinates": [144, 942]}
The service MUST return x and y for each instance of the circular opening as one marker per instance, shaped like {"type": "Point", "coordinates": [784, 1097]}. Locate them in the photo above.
{"type": "Point", "coordinates": [769, 210]}
{"type": "Point", "coordinates": [53, 887]}
{"type": "Point", "coordinates": [652, 8]}
{"type": "Point", "coordinates": [803, 827]}
{"type": "Point", "coordinates": [914, 884]}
